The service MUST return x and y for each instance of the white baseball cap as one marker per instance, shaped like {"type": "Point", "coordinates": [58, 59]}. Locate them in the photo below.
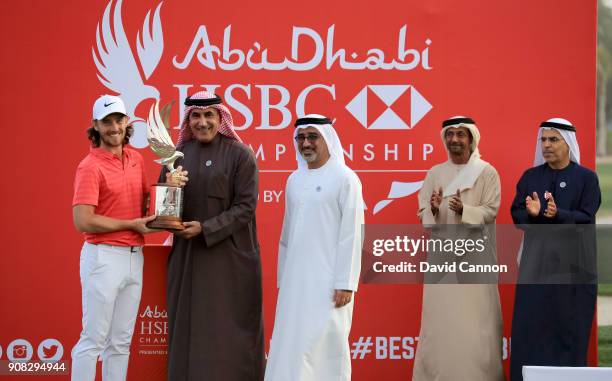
{"type": "Point", "coordinates": [108, 104]}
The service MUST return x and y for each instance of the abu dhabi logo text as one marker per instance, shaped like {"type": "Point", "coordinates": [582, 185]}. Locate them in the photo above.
{"type": "Point", "coordinates": [400, 107]}
{"type": "Point", "coordinates": [152, 333]}
{"type": "Point", "coordinates": [326, 52]}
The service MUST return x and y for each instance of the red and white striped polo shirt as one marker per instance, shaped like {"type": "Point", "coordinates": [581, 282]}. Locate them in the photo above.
{"type": "Point", "coordinates": [116, 188]}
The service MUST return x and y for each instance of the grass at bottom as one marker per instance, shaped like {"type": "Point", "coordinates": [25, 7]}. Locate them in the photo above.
{"type": "Point", "coordinates": [605, 290]}
{"type": "Point", "coordinates": [605, 345]}
{"type": "Point", "coordinates": [604, 172]}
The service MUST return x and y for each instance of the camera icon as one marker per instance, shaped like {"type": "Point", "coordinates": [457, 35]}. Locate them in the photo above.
{"type": "Point", "coordinates": [19, 350]}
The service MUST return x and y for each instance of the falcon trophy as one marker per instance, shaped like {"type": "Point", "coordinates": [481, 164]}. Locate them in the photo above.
{"type": "Point", "coordinates": [165, 198]}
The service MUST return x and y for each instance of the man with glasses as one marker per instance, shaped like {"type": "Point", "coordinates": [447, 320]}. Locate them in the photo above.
{"type": "Point", "coordinates": [319, 260]}
{"type": "Point", "coordinates": [555, 204]}
{"type": "Point", "coordinates": [110, 190]}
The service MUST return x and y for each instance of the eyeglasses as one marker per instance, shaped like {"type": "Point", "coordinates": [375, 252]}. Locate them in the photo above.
{"type": "Point", "coordinates": [311, 138]}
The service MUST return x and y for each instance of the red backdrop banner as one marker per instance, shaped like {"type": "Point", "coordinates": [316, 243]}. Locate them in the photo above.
{"type": "Point", "coordinates": [388, 71]}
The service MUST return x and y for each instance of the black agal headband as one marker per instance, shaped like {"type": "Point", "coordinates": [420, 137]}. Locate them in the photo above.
{"type": "Point", "coordinates": [306, 121]}
{"type": "Point", "coordinates": [454, 121]}
{"type": "Point", "coordinates": [203, 102]}
{"type": "Point", "coordinates": [561, 126]}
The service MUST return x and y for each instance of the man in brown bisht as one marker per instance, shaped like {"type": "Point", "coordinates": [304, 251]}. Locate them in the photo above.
{"type": "Point", "coordinates": [214, 270]}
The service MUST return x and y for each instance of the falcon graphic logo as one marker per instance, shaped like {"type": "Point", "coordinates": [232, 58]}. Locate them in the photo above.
{"type": "Point", "coordinates": [120, 71]}
{"type": "Point", "coordinates": [389, 107]}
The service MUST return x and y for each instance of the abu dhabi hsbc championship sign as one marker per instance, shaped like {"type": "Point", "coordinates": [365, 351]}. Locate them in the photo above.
{"type": "Point", "coordinates": [389, 72]}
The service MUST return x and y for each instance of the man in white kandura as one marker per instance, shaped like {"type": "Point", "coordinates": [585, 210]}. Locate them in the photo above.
{"type": "Point", "coordinates": [319, 260]}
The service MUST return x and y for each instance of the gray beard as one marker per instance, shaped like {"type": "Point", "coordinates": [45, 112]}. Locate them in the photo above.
{"type": "Point", "coordinates": [312, 157]}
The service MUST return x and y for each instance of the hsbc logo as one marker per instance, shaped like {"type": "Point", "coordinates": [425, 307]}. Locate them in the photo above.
{"type": "Point", "coordinates": [389, 107]}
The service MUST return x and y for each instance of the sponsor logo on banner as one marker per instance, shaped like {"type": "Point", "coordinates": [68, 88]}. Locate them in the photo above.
{"type": "Point", "coordinates": [389, 95]}
{"type": "Point", "coordinates": [125, 65]}
{"type": "Point", "coordinates": [50, 350]}
{"type": "Point", "coordinates": [152, 334]}
{"type": "Point", "coordinates": [19, 350]}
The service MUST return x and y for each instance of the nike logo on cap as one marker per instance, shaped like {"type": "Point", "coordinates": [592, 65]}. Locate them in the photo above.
{"type": "Point", "coordinates": [108, 104]}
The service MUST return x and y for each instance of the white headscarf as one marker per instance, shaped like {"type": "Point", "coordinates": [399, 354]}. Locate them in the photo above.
{"type": "Point", "coordinates": [468, 175]}
{"type": "Point", "coordinates": [336, 153]}
{"type": "Point", "coordinates": [568, 136]}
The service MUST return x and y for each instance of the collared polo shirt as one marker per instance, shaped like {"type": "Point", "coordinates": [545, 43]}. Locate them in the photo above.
{"type": "Point", "coordinates": [116, 188]}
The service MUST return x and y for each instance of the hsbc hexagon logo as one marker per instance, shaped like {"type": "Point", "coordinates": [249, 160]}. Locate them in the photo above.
{"type": "Point", "coordinates": [389, 107]}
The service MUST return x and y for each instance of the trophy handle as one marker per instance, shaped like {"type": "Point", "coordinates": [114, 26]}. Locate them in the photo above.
{"type": "Point", "coordinates": [170, 167]}
{"type": "Point", "coordinates": [174, 174]}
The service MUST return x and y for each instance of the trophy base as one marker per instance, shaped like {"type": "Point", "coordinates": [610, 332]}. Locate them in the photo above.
{"type": "Point", "coordinates": [166, 223]}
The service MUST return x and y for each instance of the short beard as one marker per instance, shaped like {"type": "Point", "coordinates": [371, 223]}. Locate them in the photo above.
{"type": "Point", "coordinates": [311, 157]}
{"type": "Point", "coordinates": [452, 151]}
{"type": "Point", "coordinates": [108, 142]}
